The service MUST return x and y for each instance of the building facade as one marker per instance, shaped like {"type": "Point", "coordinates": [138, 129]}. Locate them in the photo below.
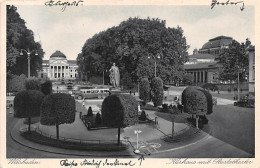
{"type": "Point", "coordinates": [58, 67]}
{"type": "Point", "coordinates": [251, 69]}
{"type": "Point", "coordinates": [202, 65]}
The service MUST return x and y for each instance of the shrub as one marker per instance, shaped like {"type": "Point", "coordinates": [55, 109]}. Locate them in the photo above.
{"type": "Point", "coordinates": [56, 109]}
{"type": "Point", "coordinates": [33, 84]}
{"type": "Point", "coordinates": [197, 101]}
{"type": "Point", "coordinates": [46, 87]}
{"type": "Point", "coordinates": [98, 119]}
{"type": "Point", "coordinates": [119, 110]}
{"type": "Point", "coordinates": [144, 90]}
{"type": "Point", "coordinates": [187, 79]}
{"type": "Point", "coordinates": [27, 104]}
{"type": "Point", "coordinates": [143, 116]}
{"type": "Point", "coordinates": [90, 112]}
{"type": "Point", "coordinates": [157, 91]}
{"type": "Point", "coordinates": [210, 86]}
{"type": "Point", "coordinates": [16, 83]}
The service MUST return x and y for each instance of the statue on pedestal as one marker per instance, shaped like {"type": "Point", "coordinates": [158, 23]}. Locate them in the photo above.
{"type": "Point", "coordinates": [114, 75]}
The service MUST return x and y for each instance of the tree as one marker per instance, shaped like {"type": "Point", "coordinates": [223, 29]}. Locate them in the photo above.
{"type": "Point", "coordinates": [18, 37]}
{"type": "Point", "coordinates": [187, 79]}
{"type": "Point", "coordinates": [157, 91]}
{"type": "Point", "coordinates": [46, 87]}
{"type": "Point", "coordinates": [56, 109]}
{"type": "Point", "coordinates": [90, 112]}
{"type": "Point", "coordinates": [234, 60]}
{"type": "Point", "coordinates": [126, 81]}
{"type": "Point", "coordinates": [16, 83]}
{"type": "Point", "coordinates": [33, 84]}
{"type": "Point", "coordinates": [119, 110]}
{"type": "Point", "coordinates": [98, 119]}
{"type": "Point", "coordinates": [129, 44]}
{"type": "Point", "coordinates": [144, 90]}
{"type": "Point", "coordinates": [197, 101]}
{"type": "Point", "coordinates": [27, 104]}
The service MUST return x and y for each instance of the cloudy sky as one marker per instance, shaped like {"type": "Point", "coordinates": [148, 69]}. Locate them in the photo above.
{"type": "Point", "coordinates": [67, 31]}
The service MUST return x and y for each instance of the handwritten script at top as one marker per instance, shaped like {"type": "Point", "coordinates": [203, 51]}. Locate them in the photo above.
{"type": "Point", "coordinates": [215, 2]}
{"type": "Point", "coordinates": [63, 4]}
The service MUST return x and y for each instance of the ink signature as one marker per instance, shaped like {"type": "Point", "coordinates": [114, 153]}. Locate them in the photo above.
{"type": "Point", "coordinates": [215, 2]}
{"type": "Point", "coordinates": [63, 4]}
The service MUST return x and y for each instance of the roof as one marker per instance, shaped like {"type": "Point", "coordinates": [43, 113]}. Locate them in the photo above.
{"type": "Point", "coordinates": [58, 54]}
{"type": "Point", "coordinates": [72, 62]}
{"type": "Point", "coordinates": [202, 56]}
{"type": "Point", "coordinates": [217, 42]}
{"type": "Point", "coordinates": [208, 65]}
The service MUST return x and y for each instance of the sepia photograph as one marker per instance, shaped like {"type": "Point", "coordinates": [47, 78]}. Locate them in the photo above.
{"type": "Point", "coordinates": [129, 82]}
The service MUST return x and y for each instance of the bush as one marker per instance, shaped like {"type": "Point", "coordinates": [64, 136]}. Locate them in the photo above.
{"type": "Point", "coordinates": [46, 87]}
{"type": "Point", "coordinates": [33, 84]}
{"type": "Point", "coordinates": [197, 101]}
{"type": "Point", "coordinates": [143, 116]}
{"type": "Point", "coordinates": [187, 79]}
{"type": "Point", "coordinates": [27, 104]}
{"type": "Point", "coordinates": [90, 112]}
{"type": "Point", "coordinates": [144, 90]}
{"type": "Point", "coordinates": [16, 83]}
{"type": "Point", "coordinates": [157, 91]}
{"type": "Point", "coordinates": [210, 86]}
{"type": "Point", "coordinates": [98, 119]}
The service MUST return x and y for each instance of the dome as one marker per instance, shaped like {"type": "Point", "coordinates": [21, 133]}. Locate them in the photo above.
{"type": "Point", "coordinates": [217, 42]}
{"type": "Point", "coordinates": [58, 54]}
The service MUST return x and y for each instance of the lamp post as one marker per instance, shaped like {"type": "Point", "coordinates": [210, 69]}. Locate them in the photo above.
{"type": "Point", "coordinates": [28, 54]}
{"type": "Point", "coordinates": [155, 57]}
{"type": "Point", "coordinates": [137, 132]}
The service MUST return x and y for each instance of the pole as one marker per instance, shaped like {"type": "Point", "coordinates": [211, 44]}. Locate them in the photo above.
{"type": "Point", "coordinates": [137, 141]}
{"type": "Point", "coordinates": [238, 90]}
{"type": "Point", "coordinates": [155, 68]}
{"type": "Point", "coordinates": [103, 79]}
{"type": "Point", "coordinates": [29, 64]}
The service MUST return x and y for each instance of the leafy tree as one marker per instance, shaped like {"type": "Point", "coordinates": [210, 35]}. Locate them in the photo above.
{"type": "Point", "coordinates": [187, 79]}
{"type": "Point", "coordinates": [157, 91]}
{"type": "Point", "coordinates": [144, 90]}
{"type": "Point", "coordinates": [234, 60]}
{"type": "Point", "coordinates": [33, 84]}
{"type": "Point", "coordinates": [18, 37]}
{"type": "Point", "coordinates": [16, 83]}
{"type": "Point", "coordinates": [119, 110]}
{"type": "Point", "coordinates": [129, 44]}
{"type": "Point", "coordinates": [27, 104]}
{"type": "Point", "coordinates": [56, 109]}
{"type": "Point", "coordinates": [126, 81]}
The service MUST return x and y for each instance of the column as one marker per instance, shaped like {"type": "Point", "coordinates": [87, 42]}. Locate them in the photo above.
{"type": "Point", "coordinates": [198, 76]}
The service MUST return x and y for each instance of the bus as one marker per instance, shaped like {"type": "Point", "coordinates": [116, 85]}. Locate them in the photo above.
{"type": "Point", "coordinates": [87, 92]}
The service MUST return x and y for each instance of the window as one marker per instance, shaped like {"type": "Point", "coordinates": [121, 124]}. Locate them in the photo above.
{"type": "Point", "coordinates": [66, 67]}
{"type": "Point", "coordinates": [71, 76]}
{"type": "Point", "coordinates": [51, 67]}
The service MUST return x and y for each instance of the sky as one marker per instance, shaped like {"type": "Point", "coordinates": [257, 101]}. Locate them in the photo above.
{"type": "Point", "coordinates": [67, 31]}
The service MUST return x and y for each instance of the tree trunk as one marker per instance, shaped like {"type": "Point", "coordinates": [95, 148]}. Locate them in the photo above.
{"type": "Point", "coordinates": [29, 124]}
{"type": "Point", "coordinates": [173, 118]}
{"type": "Point", "coordinates": [197, 122]}
{"type": "Point", "coordinates": [118, 136]}
{"type": "Point", "coordinates": [57, 131]}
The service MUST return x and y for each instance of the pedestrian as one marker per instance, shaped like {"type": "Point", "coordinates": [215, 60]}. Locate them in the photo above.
{"type": "Point", "coordinates": [83, 104]}
{"type": "Point", "coordinates": [130, 92]}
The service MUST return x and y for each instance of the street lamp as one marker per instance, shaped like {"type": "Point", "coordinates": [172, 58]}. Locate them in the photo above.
{"type": "Point", "coordinates": [155, 57]}
{"type": "Point", "coordinates": [137, 132]}
{"type": "Point", "coordinates": [28, 54]}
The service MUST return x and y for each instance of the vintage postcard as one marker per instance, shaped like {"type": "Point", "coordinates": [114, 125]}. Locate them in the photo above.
{"type": "Point", "coordinates": [147, 83]}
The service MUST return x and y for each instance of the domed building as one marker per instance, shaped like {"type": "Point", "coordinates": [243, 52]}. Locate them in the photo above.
{"type": "Point", "coordinates": [202, 64]}
{"type": "Point", "coordinates": [58, 67]}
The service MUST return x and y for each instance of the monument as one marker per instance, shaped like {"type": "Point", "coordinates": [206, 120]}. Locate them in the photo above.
{"type": "Point", "coordinates": [114, 75]}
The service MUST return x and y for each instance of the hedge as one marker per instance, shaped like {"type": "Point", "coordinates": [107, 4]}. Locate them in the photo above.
{"type": "Point", "coordinates": [46, 87]}
{"type": "Point", "coordinates": [16, 83]}
{"type": "Point", "coordinates": [90, 112]}
{"type": "Point", "coordinates": [98, 119]}
{"type": "Point", "coordinates": [58, 108]}
{"type": "Point", "coordinates": [157, 91]}
{"type": "Point", "coordinates": [144, 90]}
{"type": "Point", "coordinates": [119, 110]}
{"type": "Point", "coordinates": [197, 101]}
{"type": "Point", "coordinates": [33, 84]}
